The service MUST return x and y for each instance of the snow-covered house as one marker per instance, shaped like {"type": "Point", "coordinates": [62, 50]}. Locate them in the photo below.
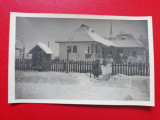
{"type": "Point", "coordinates": [40, 52]}
{"type": "Point", "coordinates": [127, 45]}
{"type": "Point", "coordinates": [86, 44]}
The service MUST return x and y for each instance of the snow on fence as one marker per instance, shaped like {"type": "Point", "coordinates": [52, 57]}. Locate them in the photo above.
{"type": "Point", "coordinates": [55, 65]}
{"type": "Point", "coordinates": [130, 69]}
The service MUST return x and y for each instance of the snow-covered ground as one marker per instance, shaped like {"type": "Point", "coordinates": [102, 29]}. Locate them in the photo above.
{"type": "Point", "coordinates": [79, 86]}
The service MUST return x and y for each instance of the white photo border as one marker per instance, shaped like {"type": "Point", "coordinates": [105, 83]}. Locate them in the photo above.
{"type": "Point", "coordinates": [11, 64]}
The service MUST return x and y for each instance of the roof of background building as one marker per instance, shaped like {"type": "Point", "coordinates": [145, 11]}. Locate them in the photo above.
{"type": "Point", "coordinates": [44, 47]}
{"type": "Point", "coordinates": [126, 40]}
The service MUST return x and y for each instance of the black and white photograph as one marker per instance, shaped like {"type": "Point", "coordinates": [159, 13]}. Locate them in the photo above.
{"type": "Point", "coordinates": [81, 59]}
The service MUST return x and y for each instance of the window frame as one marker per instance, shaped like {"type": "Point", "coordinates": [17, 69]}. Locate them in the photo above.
{"type": "Point", "coordinates": [88, 49]}
{"type": "Point", "coordinates": [74, 48]}
{"type": "Point", "coordinates": [70, 49]}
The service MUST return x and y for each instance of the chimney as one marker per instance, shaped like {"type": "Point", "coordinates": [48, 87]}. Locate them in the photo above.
{"type": "Point", "coordinates": [111, 32]}
{"type": "Point", "coordinates": [86, 27]}
{"type": "Point", "coordinates": [48, 43]}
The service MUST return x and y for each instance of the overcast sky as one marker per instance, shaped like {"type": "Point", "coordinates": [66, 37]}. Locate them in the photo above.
{"type": "Point", "coordinates": [34, 30]}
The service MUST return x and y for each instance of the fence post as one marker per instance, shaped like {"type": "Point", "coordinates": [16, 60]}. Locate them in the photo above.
{"type": "Point", "coordinates": [20, 64]}
{"type": "Point", "coordinates": [120, 67]}
{"type": "Point", "coordinates": [144, 69]}
{"type": "Point", "coordinates": [83, 66]}
{"type": "Point", "coordinates": [147, 65]}
{"type": "Point", "coordinates": [72, 66]}
{"type": "Point", "coordinates": [75, 69]}
{"type": "Point", "coordinates": [141, 68]}
{"type": "Point", "coordinates": [66, 66]}
{"type": "Point", "coordinates": [87, 66]}
{"type": "Point", "coordinates": [136, 68]}
{"type": "Point", "coordinates": [80, 66]}
{"type": "Point", "coordinates": [128, 68]}
{"type": "Point", "coordinates": [69, 65]}
{"type": "Point", "coordinates": [131, 68]}
{"type": "Point", "coordinates": [115, 68]}
{"type": "Point", "coordinates": [61, 63]}
{"type": "Point", "coordinates": [112, 69]}
{"type": "Point", "coordinates": [52, 65]}
{"type": "Point", "coordinates": [123, 68]}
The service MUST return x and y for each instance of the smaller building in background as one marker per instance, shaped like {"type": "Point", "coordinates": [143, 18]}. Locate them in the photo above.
{"type": "Point", "coordinates": [19, 53]}
{"type": "Point", "coordinates": [40, 52]}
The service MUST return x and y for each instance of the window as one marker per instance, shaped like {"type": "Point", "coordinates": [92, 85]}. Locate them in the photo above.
{"type": "Point", "coordinates": [134, 53]}
{"type": "Point", "coordinates": [96, 48]}
{"type": "Point", "coordinates": [75, 49]}
{"type": "Point", "coordinates": [92, 48]}
{"type": "Point", "coordinates": [68, 49]}
{"type": "Point", "coordinates": [88, 49]}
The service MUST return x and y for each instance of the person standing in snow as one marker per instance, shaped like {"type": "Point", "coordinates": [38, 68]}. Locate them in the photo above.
{"type": "Point", "coordinates": [96, 68]}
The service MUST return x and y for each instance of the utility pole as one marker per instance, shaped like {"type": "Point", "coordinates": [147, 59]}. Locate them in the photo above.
{"type": "Point", "coordinates": [69, 47]}
{"type": "Point", "coordinates": [67, 53]}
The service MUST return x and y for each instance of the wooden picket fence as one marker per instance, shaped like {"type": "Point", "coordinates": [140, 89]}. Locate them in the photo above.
{"type": "Point", "coordinates": [131, 69]}
{"type": "Point", "coordinates": [57, 66]}
{"type": "Point", "coordinates": [23, 65]}
{"type": "Point", "coordinates": [82, 67]}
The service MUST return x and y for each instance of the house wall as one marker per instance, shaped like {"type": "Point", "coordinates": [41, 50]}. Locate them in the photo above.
{"type": "Point", "coordinates": [129, 51]}
{"type": "Point", "coordinates": [99, 52]}
{"type": "Point", "coordinates": [82, 50]}
{"type": "Point", "coordinates": [126, 52]}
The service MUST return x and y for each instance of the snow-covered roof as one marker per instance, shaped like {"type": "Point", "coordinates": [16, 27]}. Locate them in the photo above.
{"type": "Point", "coordinates": [126, 40]}
{"type": "Point", "coordinates": [86, 34]}
{"type": "Point", "coordinates": [44, 47]}
{"type": "Point", "coordinates": [99, 39]}
{"type": "Point", "coordinates": [127, 43]}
